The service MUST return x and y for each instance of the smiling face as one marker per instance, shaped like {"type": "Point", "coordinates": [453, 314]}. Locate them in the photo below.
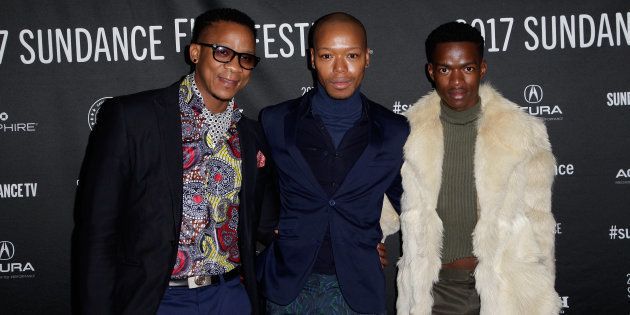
{"type": "Point", "coordinates": [219, 82]}
{"type": "Point", "coordinates": [457, 70]}
{"type": "Point", "coordinates": [340, 56]}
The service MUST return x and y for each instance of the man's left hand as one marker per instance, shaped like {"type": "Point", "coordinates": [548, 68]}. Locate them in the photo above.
{"type": "Point", "coordinates": [382, 254]}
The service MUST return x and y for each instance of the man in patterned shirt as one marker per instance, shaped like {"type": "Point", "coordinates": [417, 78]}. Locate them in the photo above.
{"type": "Point", "coordinates": [176, 189]}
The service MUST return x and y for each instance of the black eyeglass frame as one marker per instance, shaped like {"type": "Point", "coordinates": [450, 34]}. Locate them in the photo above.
{"type": "Point", "coordinates": [236, 54]}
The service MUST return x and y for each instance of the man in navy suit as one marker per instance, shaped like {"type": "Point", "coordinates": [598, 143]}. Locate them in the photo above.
{"type": "Point", "coordinates": [337, 153]}
{"type": "Point", "coordinates": [176, 187]}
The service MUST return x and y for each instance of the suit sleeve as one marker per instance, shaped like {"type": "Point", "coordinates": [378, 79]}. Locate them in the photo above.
{"type": "Point", "coordinates": [270, 207]}
{"type": "Point", "coordinates": [101, 199]}
{"type": "Point", "coordinates": [395, 190]}
{"type": "Point", "coordinates": [390, 220]}
{"type": "Point", "coordinates": [540, 171]}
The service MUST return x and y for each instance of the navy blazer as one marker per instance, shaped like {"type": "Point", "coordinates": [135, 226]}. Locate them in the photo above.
{"type": "Point", "coordinates": [353, 211]}
{"type": "Point", "coordinates": [129, 204]}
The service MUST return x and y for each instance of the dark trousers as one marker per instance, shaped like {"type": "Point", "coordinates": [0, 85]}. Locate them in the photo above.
{"type": "Point", "coordinates": [226, 297]}
{"type": "Point", "coordinates": [455, 293]}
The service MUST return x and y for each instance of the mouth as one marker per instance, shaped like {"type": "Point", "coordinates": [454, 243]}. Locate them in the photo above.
{"type": "Point", "coordinates": [341, 84]}
{"type": "Point", "coordinates": [228, 82]}
{"type": "Point", "coordinates": [457, 94]}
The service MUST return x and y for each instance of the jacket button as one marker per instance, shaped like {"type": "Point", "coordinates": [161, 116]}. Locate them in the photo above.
{"type": "Point", "coordinates": [331, 203]}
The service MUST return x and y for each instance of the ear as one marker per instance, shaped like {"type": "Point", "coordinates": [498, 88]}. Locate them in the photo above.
{"type": "Point", "coordinates": [484, 68]}
{"type": "Point", "coordinates": [312, 58]}
{"type": "Point", "coordinates": [367, 57]}
{"type": "Point", "coordinates": [430, 71]}
{"type": "Point", "coordinates": [193, 52]}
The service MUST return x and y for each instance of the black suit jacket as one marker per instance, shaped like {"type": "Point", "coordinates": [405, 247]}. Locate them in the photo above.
{"type": "Point", "coordinates": [129, 204]}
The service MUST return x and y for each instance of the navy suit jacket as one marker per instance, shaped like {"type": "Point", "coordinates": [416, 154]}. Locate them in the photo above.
{"type": "Point", "coordinates": [353, 211]}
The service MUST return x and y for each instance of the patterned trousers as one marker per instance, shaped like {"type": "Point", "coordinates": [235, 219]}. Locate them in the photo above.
{"type": "Point", "coordinates": [320, 295]}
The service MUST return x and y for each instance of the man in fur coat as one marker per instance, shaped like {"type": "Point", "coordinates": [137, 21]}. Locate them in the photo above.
{"type": "Point", "coordinates": [476, 210]}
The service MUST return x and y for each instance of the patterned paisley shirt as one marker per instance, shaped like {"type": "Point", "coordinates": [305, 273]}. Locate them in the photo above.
{"type": "Point", "coordinates": [208, 241]}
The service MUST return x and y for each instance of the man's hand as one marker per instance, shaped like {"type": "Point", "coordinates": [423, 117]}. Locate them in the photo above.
{"type": "Point", "coordinates": [382, 254]}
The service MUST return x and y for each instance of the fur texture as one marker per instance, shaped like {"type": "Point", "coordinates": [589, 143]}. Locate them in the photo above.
{"type": "Point", "coordinates": [390, 222]}
{"type": "Point", "coordinates": [514, 235]}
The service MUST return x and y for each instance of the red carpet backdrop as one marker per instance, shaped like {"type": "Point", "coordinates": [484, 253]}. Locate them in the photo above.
{"type": "Point", "coordinates": [567, 62]}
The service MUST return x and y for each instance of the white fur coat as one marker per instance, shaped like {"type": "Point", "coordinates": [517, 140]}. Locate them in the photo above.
{"type": "Point", "coordinates": [514, 235]}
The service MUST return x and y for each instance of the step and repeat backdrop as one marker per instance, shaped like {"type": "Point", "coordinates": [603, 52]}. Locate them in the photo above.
{"type": "Point", "coordinates": [567, 62]}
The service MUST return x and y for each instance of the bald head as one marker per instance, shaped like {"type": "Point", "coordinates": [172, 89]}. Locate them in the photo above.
{"type": "Point", "coordinates": [338, 20]}
{"type": "Point", "coordinates": [339, 54]}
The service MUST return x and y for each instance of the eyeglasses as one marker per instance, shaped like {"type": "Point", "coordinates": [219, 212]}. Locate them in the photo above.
{"type": "Point", "coordinates": [224, 55]}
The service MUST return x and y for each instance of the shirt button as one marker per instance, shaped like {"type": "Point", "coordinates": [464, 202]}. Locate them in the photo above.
{"type": "Point", "coordinates": [331, 203]}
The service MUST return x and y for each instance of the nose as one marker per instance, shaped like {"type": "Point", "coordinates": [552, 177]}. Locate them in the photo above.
{"type": "Point", "coordinates": [456, 77]}
{"type": "Point", "coordinates": [233, 64]}
{"type": "Point", "coordinates": [340, 64]}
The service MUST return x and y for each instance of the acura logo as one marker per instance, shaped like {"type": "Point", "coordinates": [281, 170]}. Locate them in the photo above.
{"type": "Point", "coordinates": [7, 250]}
{"type": "Point", "coordinates": [533, 94]}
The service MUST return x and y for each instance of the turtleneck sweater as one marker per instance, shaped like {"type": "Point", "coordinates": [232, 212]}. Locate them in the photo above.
{"type": "Point", "coordinates": [337, 115]}
{"type": "Point", "coordinates": [457, 201]}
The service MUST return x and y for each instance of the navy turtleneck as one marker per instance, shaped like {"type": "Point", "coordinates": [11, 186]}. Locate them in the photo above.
{"type": "Point", "coordinates": [337, 115]}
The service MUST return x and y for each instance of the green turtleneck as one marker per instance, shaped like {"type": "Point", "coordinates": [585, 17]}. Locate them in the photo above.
{"type": "Point", "coordinates": [457, 201]}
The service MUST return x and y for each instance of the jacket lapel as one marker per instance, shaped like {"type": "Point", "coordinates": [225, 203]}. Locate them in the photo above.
{"type": "Point", "coordinates": [424, 151]}
{"type": "Point", "coordinates": [374, 146]}
{"type": "Point", "coordinates": [169, 124]}
{"type": "Point", "coordinates": [290, 134]}
{"type": "Point", "coordinates": [498, 149]}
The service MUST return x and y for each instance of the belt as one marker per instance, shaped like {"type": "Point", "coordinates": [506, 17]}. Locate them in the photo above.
{"type": "Point", "coordinates": [202, 281]}
{"type": "Point", "coordinates": [466, 263]}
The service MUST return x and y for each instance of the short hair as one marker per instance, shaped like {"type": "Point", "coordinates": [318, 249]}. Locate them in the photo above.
{"type": "Point", "coordinates": [336, 17]}
{"type": "Point", "coordinates": [210, 17]}
{"type": "Point", "coordinates": [453, 32]}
